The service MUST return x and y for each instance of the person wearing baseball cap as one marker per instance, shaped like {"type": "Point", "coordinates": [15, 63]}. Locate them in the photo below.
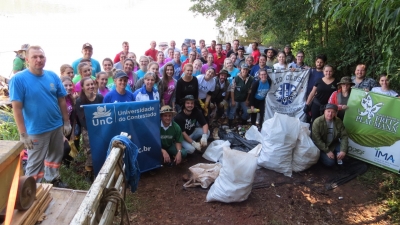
{"type": "Point", "coordinates": [330, 136]}
{"type": "Point", "coordinates": [240, 92]}
{"type": "Point", "coordinates": [193, 47]}
{"type": "Point", "coordinates": [119, 94]}
{"type": "Point", "coordinates": [240, 59]}
{"type": "Point", "coordinates": [87, 52]}
{"type": "Point", "coordinates": [19, 63]}
{"type": "Point", "coordinates": [187, 120]}
{"type": "Point", "coordinates": [171, 137]}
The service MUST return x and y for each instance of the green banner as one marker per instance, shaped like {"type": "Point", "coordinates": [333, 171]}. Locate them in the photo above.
{"type": "Point", "coordinates": [372, 119]}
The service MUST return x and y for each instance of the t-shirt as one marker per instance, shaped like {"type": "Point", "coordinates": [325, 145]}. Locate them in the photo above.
{"type": "Point", "coordinates": [78, 78]}
{"type": "Point", "coordinates": [184, 88]}
{"type": "Point", "coordinates": [330, 127]}
{"type": "Point", "coordinates": [205, 67]}
{"type": "Point", "coordinates": [219, 61]}
{"type": "Point", "coordinates": [152, 53]}
{"type": "Point", "coordinates": [39, 96]}
{"type": "Point", "coordinates": [312, 79]}
{"type": "Point", "coordinates": [114, 96]}
{"type": "Point", "coordinates": [256, 70]}
{"type": "Point", "coordinates": [262, 90]}
{"type": "Point", "coordinates": [19, 64]}
{"type": "Point", "coordinates": [118, 66]}
{"type": "Point", "coordinates": [256, 55]}
{"type": "Point", "coordinates": [169, 91]}
{"type": "Point", "coordinates": [279, 66]}
{"type": "Point", "coordinates": [172, 135]}
{"type": "Point", "coordinates": [380, 91]}
{"type": "Point", "coordinates": [95, 66]}
{"type": "Point", "coordinates": [212, 51]}
{"type": "Point", "coordinates": [104, 91]}
{"type": "Point", "coordinates": [140, 73]}
{"type": "Point", "coordinates": [205, 87]}
{"type": "Point", "coordinates": [68, 101]}
{"type": "Point", "coordinates": [324, 91]}
{"type": "Point", "coordinates": [79, 110]}
{"type": "Point", "coordinates": [110, 82]}
{"type": "Point", "coordinates": [183, 57]}
{"type": "Point", "coordinates": [187, 123]}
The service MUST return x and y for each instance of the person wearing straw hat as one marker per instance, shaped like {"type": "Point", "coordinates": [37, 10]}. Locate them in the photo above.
{"type": "Point", "coordinates": [19, 63]}
{"type": "Point", "coordinates": [341, 96]}
{"type": "Point", "coordinates": [171, 137]}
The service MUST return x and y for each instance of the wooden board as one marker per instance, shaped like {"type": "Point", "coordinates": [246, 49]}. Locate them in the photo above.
{"type": "Point", "coordinates": [9, 158]}
{"type": "Point", "coordinates": [64, 206]}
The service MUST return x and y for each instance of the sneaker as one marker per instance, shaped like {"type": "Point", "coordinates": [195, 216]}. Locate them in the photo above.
{"type": "Point", "coordinates": [57, 182]}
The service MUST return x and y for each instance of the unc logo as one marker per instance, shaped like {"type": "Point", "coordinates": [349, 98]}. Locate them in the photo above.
{"type": "Point", "coordinates": [99, 116]}
{"type": "Point", "coordinates": [286, 93]}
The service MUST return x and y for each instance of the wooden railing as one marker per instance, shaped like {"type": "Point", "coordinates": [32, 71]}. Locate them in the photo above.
{"type": "Point", "coordinates": [91, 211]}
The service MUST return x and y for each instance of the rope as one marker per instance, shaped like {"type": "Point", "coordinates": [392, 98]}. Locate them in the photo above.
{"type": "Point", "coordinates": [114, 196]}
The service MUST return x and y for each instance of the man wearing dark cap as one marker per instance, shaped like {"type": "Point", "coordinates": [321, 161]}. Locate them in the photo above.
{"type": "Point", "coordinates": [119, 94]}
{"type": "Point", "coordinates": [289, 55]}
{"type": "Point", "coordinates": [240, 60]}
{"type": "Point", "coordinates": [240, 92]}
{"type": "Point", "coordinates": [187, 119]}
{"type": "Point", "coordinates": [193, 47]}
{"type": "Point", "coordinates": [87, 52]}
{"type": "Point", "coordinates": [330, 136]}
{"type": "Point", "coordinates": [221, 93]}
{"type": "Point", "coordinates": [171, 137]}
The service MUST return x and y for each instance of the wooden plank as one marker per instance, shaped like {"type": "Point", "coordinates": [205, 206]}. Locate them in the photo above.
{"type": "Point", "coordinates": [41, 193]}
{"type": "Point", "coordinates": [9, 149]}
{"type": "Point", "coordinates": [71, 208]}
{"type": "Point", "coordinates": [33, 217]}
{"type": "Point", "coordinates": [56, 207]}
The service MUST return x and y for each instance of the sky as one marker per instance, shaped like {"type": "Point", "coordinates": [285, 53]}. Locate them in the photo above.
{"type": "Point", "coordinates": [62, 27]}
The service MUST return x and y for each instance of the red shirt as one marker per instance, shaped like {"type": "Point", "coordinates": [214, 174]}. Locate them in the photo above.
{"type": "Point", "coordinates": [219, 61]}
{"type": "Point", "coordinates": [184, 63]}
{"type": "Point", "coordinates": [152, 53]}
{"type": "Point", "coordinates": [256, 55]}
{"type": "Point", "coordinates": [117, 57]}
{"type": "Point", "coordinates": [212, 51]}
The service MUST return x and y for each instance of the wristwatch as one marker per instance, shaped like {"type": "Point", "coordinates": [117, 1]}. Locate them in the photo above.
{"type": "Point", "coordinates": [180, 150]}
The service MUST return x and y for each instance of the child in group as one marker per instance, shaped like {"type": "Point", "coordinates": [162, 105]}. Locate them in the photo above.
{"type": "Point", "coordinates": [84, 70]}
{"type": "Point", "coordinates": [101, 80]}
{"type": "Point", "coordinates": [67, 71]}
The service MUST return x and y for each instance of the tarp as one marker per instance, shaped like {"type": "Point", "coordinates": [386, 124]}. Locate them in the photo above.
{"type": "Point", "coordinates": [287, 94]}
{"type": "Point", "coordinates": [141, 120]}
{"type": "Point", "coordinates": [372, 122]}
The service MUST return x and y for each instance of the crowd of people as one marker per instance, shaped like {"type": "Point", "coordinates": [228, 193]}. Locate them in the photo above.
{"type": "Point", "coordinates": [195, 86]}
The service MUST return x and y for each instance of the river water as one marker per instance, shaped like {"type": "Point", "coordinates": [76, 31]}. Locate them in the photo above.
{"type": "Point", "coordinates": [61, 27]}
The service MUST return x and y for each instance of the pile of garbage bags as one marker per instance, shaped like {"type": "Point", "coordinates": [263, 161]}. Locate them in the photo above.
{"type": "Point", "coordinates": [285, 146]}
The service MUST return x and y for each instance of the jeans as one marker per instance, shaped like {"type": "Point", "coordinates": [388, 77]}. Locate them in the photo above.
{"type": "Point", "coordinates": [323, 157]}
{"type": "Point", "coordinates": [197, 133]}
{"type": "Point", "coordinates": [232, 110]}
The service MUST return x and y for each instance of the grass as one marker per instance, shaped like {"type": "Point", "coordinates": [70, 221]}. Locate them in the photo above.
{"type": "Point", "coordinates": [388, 186]}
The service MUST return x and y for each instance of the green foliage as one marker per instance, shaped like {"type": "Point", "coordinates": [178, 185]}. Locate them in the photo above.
{"type": "Point", "coordinates": [8, 127]}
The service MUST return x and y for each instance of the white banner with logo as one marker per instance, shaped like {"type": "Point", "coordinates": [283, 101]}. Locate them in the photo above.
{"type": "Point", "coordinates": [287, 94]}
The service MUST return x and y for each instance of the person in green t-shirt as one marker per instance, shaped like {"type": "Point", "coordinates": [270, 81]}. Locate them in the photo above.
{"type": "Point", "coordinates": [171, 137]}
{"type": "Point", "coordinates": [19, 63]}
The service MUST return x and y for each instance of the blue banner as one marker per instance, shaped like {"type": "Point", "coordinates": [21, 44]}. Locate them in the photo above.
{"type": "Point", "coordinates": [141, 120]}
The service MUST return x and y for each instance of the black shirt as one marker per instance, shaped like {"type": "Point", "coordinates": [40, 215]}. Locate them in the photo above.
{"type": "Point", "coordinates": [187, 123]}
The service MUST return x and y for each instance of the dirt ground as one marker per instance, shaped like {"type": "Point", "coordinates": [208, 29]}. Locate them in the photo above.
{"type": "Point", "coordinates": [275, 199]}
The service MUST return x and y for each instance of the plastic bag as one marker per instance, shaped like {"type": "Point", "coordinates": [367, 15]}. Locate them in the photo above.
{"type": "Point", "coordinates": [203, 174]}
{"type": "Point", "coordinates": [237, 142]}
{"type": "Point", "coordinates": [253, 134]}
{"type": "Point", "coordinates": [305, 153]}
{"type": "Point", "coordinates": [214, 150]}
{"type": "Point", "coordinates": [279, 139]}
{"type": "Point", "coordinates": [235, 179]}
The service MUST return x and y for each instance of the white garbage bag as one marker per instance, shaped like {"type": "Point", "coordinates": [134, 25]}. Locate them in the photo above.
{"type": "Point", "coordinates": [235, 179]}
{"type": "Point", "coordinates": [279, 139]}
{"type": "Point", "coordinates": [306, 153]}
{"type": "Point", "coordinates": [253, 134]}
{"type": "Point", "coordinates": [213, 152]}
{"type": "Point", "coordinates": [203, 174]}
